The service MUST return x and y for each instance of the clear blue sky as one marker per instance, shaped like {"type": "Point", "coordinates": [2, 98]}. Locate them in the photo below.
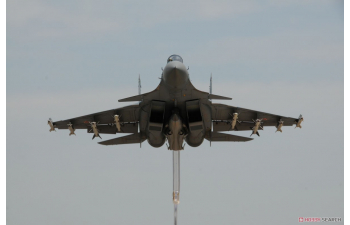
{"type": "Point", "coordinates": [71, 58]}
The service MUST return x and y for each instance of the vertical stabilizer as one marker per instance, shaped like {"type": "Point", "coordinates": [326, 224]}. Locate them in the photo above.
{"type": "Point", "coordinates": [211, 84]}
{"type": "Point", "coordinates": [139, 85]}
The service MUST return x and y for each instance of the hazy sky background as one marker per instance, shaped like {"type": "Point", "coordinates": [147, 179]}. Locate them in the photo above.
{"type": "Point", "coordinates": [71, 58]}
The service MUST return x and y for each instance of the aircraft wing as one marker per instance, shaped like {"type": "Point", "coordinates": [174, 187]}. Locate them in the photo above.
{"type": "Point", "coordinates": [129, 117]}
{"type": "Point", "coordinates": [222, 117]}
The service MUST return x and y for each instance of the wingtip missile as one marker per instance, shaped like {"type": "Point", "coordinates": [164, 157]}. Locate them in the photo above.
{"type": "Point", "coordinates": [52, 126]}
{"type": "Point", "coordinates": [300, 119]}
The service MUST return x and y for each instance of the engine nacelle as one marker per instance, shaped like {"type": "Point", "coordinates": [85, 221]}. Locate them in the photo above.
{"type": "Point", "coordinates": [196, 127]}
{"type": "Point", "coordinates": [155, 136]}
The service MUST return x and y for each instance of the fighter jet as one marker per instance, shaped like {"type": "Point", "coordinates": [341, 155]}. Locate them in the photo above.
{"type": "Point", "coordinates": [177, 113]}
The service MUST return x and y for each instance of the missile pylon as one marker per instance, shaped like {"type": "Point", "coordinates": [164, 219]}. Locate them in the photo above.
{"type": "Point", "coordinates": [176, 182]}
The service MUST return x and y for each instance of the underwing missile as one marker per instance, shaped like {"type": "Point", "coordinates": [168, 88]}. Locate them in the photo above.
{"type": "Point", "coordinates": [52, 127]}
{"type": "Point", "coordinates": [117, 122]}
{"type": "Point", "coordinates": [71, 129]}
{"type": "Point", "coordinates": [95, 130]}
{"type": "Point", "coordinates": [300, 119]}
{"type": "Point", "coordinates": [234, 120]}
{"type": "Point", "coordinates": [279, 126]}
{"type": "Point", "coordinates": [256, 127]}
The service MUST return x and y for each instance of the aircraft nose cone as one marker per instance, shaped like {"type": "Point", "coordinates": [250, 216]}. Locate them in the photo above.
{"type": "Point", "coordinates": [175, 74]}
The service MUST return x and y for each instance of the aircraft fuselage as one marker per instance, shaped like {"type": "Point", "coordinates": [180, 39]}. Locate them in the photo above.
{"type": "Point", "coordinates": [178, 106]}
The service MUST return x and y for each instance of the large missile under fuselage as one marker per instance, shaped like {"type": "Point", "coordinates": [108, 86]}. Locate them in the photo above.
{"type": "Point", "coordinates": [176, 182]}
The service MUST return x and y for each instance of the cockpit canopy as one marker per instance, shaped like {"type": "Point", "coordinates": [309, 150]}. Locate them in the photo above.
{"type": "Point", "coordinates": [174, 58]}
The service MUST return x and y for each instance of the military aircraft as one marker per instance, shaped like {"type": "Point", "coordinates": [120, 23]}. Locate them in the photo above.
{"type": "Point", "coordinates": [175, 112]}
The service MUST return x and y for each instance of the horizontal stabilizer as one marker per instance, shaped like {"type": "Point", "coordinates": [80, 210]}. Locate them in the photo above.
{"type": "Point", "coordinates": [136, 98]}
{"type": "Point", "coordinates": [226, 137]}
{"type": "Point", "coordinates": [128, 139]}
{"type": "Point", "coordinates": [211, 96]}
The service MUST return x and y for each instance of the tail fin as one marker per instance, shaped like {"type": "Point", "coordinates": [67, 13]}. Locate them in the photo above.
{"type": "Point", "coordinates": [211, 84]}
{"type": "Point", "coordinates": [139, 85]}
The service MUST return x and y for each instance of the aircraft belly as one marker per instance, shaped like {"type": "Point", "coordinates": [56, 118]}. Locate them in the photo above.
{"type": "Point", "coordinates": [175, 139]}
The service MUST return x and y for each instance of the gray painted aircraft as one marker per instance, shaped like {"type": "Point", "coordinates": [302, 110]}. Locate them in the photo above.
{"type": "Point", "coordinates": [175, 112]}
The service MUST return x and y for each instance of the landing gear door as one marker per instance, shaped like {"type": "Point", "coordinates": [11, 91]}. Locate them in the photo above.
{"type": "Point", "coordinates": [194, 116]}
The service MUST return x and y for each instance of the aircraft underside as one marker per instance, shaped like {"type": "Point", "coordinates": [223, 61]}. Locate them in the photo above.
{"type": "Point", "coordinates": [175, 113]}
